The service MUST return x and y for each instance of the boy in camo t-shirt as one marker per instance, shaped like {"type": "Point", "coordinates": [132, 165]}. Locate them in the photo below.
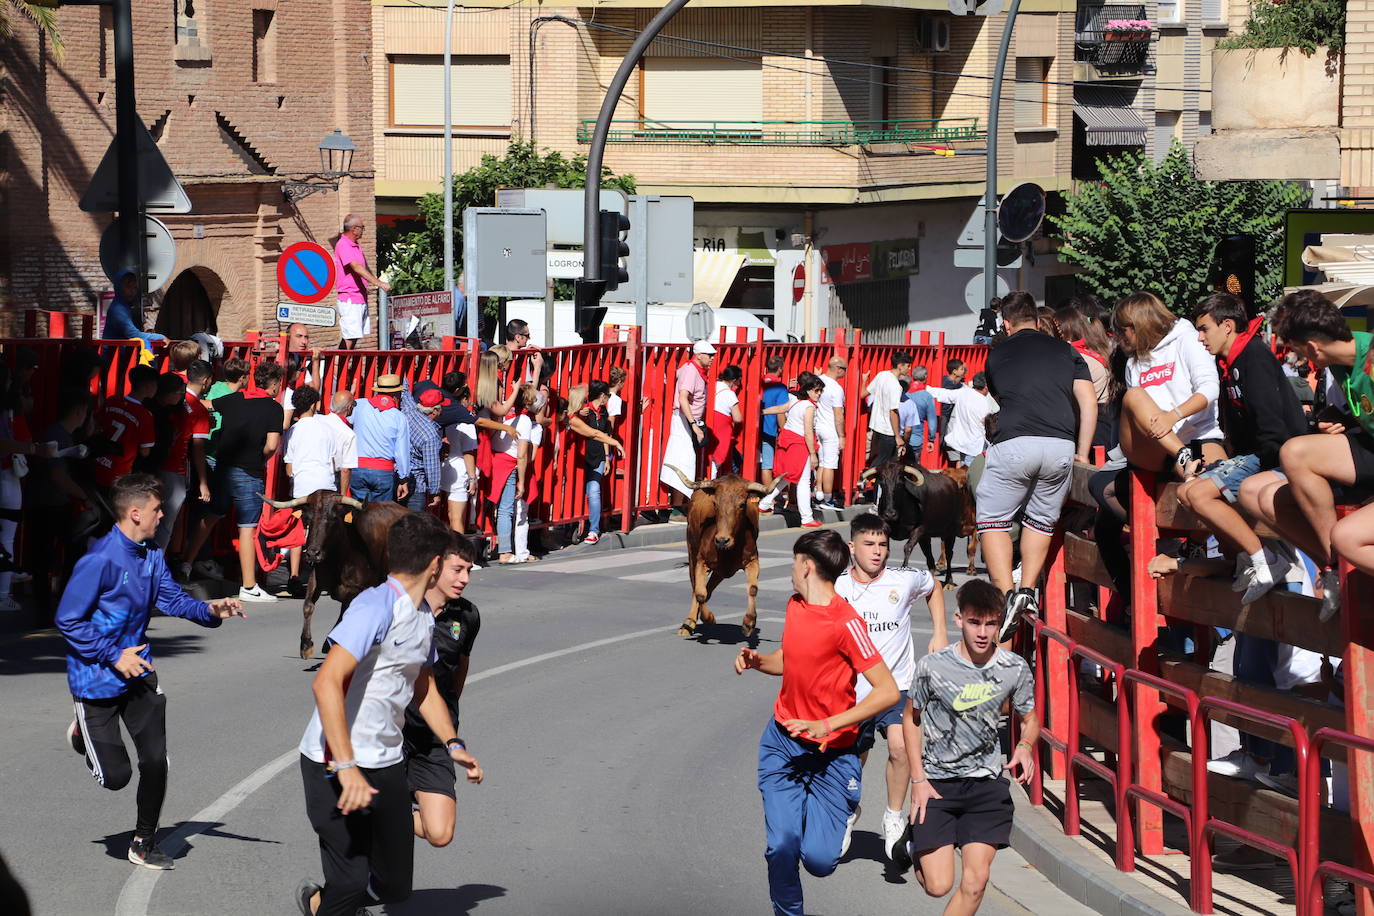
{"type": "Point", "coordinates": [960, 795]}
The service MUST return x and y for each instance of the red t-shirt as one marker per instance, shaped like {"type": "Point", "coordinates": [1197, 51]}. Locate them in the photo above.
{"type": "Point", "coordinates": [191, 422]}
{"type": "Point", "coordinates": [824, 647]}
{"type": "Point", "coordinates": [129, 425]}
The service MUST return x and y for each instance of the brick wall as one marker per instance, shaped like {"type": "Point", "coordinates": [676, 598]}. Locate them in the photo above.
{"type": "Point", "coordinates": [228, 138]}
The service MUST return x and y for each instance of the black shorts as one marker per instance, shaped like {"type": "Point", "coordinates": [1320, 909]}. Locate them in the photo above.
{"type": "Point", "coordinates": [1362, 454]}
{"type": "Point", "coordinates": [429, 768]}
{"type": "Point", "coordinates": [967, 811]}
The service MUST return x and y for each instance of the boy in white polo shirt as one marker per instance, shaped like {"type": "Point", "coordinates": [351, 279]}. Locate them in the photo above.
{"type": "Point", "coordinates": [352, 760]}
{"type": "Point", "coordinates": [883, 597]}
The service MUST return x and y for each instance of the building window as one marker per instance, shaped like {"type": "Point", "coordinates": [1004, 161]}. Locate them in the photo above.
{"type": "Point", "coordinates": [1170, 12]}
{"type": "Point", "coordinates": [698, 89]}
{"type": "Point", "coordinates": [264, 46]}
{"type": "Point", "coordinates": [1166, 130]}
{"type": "Point", "coordinates": [1204, 123]}
{"type": "Point", "coordinates": [1213, 11]}
{"type": "Point", "coordinates": [878, 109]}
{"type": "Point", "coordinates": [192, 44]}
{"type": "Point", "coordinates": [1032, 92]}
{"type": "Point", "coordinates": [481, 91]}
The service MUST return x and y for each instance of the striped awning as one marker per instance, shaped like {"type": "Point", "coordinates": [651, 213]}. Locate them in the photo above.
{"type": "Point", "coordinates": [1107, 116]}
{"type": "Point", "coordinates": [713, 273]}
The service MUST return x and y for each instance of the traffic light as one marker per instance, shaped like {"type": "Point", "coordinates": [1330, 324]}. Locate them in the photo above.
{"type": "Point", "coordinates": [1233, 268]}
{"type": "Point", "coordinates": [610, 225]}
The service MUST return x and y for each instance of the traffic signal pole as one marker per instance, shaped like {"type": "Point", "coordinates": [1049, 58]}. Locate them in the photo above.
{"type": "Point", "coordinates": [592, 286]}
{"type": "Point", "coordinates": [990, 193]}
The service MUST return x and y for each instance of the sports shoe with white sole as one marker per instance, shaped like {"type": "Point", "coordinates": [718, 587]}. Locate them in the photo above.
{"type": "Point", "coordinates": [1020, 602]}
{"type": "Point", "coordinates": [146, 853]}
{"type": "Point", "coordinates": [255, 594]}
{"type": "Point", "coordinates": [1329, 581]}
{"type": "Point", "coordinates": [1238, 765]}
{"type": "Point", "coordinates": [305, 892]}
{"type": "Point", "coordinates": [208, 568]}
{"type": "Point", "coordinates": [894, 836]}
{"type": "Point", "coordinates": [75, 739]}
{"type": "Point", "coordinates": [849, 829]}
{"type": "Point", "coordinates": [1257, 581]}
{"type": "Point", "coordinates": [1287, 783]}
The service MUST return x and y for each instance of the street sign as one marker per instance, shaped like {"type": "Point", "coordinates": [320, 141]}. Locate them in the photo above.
{"type": "Point", "coordinates": [161, 252]}
{"type": "Point", "coordinates": [306, 272]}
{"type": "Point", "coordinates": [503, 252]}
{"type": "Point", "coordinates": [158, 189]}
{"type": "Point", "coordinates": [799, 283]}
{"type": "Point", "coordinates": [563, 209]}
{"type": "Point", "coordinates": [976, 7]}
{"type": "Point", "coordinates": [700, 322]}
{"type": "Point", "coordinates": [1021, 212]}
{"type": "Point", "coordinates": [973, 232]}
{"type": "Point", "coordinates": [564, 264]}
{"type": "Point", "coordinates": [973, 292]}
{"type": "Point", "coordinates": [322, 316]}
{"type": "Point", "coordinates": [660, 262]}
{"type": "Point", "coordinates": [431, 313]}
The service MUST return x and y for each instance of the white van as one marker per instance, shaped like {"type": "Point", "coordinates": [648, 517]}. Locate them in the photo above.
{"type": "Point", "coordinates": [667, 323]}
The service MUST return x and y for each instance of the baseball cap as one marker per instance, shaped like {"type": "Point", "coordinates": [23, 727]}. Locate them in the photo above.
{"type": "Point", "coordinates": [703, 346]}
{"type": "Point", "coordinates": [433, 398]}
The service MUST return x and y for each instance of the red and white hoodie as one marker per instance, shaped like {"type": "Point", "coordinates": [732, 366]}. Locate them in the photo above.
{"type": "Point", "coordinates": [1175, 370]}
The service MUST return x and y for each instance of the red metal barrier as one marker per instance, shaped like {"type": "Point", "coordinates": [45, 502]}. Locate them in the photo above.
{"type": "Point", "coordinates": [1315, 868]}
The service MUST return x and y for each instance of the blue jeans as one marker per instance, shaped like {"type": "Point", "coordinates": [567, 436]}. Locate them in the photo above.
{"type": "Point", "coordinates": [808, 796]}
{"type": "Point", "coordinates": [416, 498]}
{"type": "Point", "coordinates": [505, 516]}
{"type": "Point", "coordinates": [372, 485]}
{"type": "Point", "coordinates": [1255, 661]}
{"type": "Point", "coordinates": [594, 478]}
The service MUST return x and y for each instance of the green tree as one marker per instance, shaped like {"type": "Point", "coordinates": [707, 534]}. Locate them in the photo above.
{"type": "Point", "coordinates": [45, 16]}
{"type": "Point", "coordinates": [1153, 226]}
{"type": "Point", "coordinates": [414, 260]}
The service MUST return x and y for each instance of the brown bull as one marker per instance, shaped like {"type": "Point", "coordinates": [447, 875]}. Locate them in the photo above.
{"type": "Point", "coordinates": [968, 524]}
{"type": "Point", "coordinates": [722, 539]}
{"type": "Point", "coordinates": [345, 547]}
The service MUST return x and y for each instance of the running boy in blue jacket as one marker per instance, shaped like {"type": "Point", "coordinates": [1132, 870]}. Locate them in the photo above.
{"type": "Point", "coordinates": [104, 616]}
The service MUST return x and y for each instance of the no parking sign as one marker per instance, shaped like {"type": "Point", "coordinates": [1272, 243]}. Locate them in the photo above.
{"type": "Point", "coordinates": [306, 272]}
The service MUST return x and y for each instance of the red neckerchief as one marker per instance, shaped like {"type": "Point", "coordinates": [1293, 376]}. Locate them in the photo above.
{"type": "Point", "coordinates": [383, 402]}
{"type": "Point", "coordinates": [252, 394]}
{"type": "Point", "coordinates": [1242, 339]}
{"type": "Point", "coordinates": [917, 386]}
{"type": "Point", "coordinates": [1087, 351]}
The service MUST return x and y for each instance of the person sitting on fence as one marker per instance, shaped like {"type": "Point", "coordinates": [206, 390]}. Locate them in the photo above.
{"type": "Point", "coordinates": [726, 417]}
{"type": "Point", "coordinates": [383, 443]}
{"type": "Point", "coordinates": [774, 395]}
{"type": "Point", "coordinates": [1339, 454]}
{"type": "Point", "coordinates": [1168, 414]}
{"type": "Point", "coordinates": [119, 314]}
{"type": "Point", "coordinates": [1259, 413]}
{"type": "Point", "coordinates": [587, 417]}
{"type": "Point", "coordinates": [966, 435]}
{"type": "Point", "coordinates": [919, 418]}
{"type": "Point", "coordinates": [830, 430]}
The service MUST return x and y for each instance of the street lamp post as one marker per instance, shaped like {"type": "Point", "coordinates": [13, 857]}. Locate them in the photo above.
{"type": "Point", "coordinates": [448, 168]}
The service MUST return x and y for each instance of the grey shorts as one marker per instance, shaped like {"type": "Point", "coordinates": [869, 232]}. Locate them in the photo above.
{"type": "Point", "coordinates": [1028, 474]}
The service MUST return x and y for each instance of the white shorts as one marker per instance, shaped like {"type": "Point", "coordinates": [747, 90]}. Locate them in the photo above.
{"type": "Point", "coordinates": [453, 479]}
{"type": "Point", "coordinates": [354, 319]}
{"type": "Point", "coordinates": [828, 448]}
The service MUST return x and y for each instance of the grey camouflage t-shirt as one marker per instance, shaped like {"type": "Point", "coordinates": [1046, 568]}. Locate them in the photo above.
{"type": "Point", "coordinates": [960, 706]}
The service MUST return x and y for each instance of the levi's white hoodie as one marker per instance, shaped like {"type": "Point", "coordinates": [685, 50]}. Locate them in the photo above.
{"type": "Point", "coordinates": [1175, 370]}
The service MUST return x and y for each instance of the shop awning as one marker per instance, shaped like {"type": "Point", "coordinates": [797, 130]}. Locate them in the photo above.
{"type": "Point", "coordinates": [713, 273]}
{"type": "Point", "coordinates": [1107, 116]}
{"type": "Point", "coordinates": [1340, 264]}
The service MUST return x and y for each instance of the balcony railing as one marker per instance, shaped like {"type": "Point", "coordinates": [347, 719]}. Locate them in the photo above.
{"type": "Point", "coordinates": [1108, 49]}
{"type": "Point", "coordinates": [790, 133]}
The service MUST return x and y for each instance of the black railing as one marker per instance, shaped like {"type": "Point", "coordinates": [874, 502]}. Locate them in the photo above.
{"type": "Point", "coordinates": [1106, 48]}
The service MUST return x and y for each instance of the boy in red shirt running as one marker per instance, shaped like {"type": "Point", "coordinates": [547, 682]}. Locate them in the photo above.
{"type": "Point", "coordinates": [809, 770]}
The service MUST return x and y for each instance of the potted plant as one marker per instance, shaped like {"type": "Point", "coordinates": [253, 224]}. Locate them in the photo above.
{"type": "Point", "coordinates": [1128, 29]}
{"type": "Point", "coordinates": [1259, 83]}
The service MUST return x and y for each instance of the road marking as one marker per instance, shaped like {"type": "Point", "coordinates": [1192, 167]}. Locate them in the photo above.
{"type": "Point", "coordinates": [606, 561]}
{"type": "Point", "coordinates": [137, 893]}
{"type": "Point", "coordinates": [679, 573]}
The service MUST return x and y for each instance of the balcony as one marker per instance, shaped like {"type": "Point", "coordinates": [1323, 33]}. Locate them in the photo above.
{"type": "Point", "coordinates": [934, 132]}
{"type": "Point", "coordinates": [1103, 53]}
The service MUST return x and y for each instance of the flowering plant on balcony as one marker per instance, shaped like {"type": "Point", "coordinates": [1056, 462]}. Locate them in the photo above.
{"type": "Point", "coordinates": [1128, 29]}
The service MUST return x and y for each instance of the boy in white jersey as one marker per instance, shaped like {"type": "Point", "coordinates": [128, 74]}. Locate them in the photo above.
{"type": "Point", "coordinates": [883, 597]}
{"type": "Point", "coordinates": [352, 760]}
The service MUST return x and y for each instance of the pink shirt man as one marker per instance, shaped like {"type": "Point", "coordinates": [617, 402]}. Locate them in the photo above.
{"type": "Point", "coordinates": [350, 285]}
{"type": "Point", "coordinates": [690, 379]}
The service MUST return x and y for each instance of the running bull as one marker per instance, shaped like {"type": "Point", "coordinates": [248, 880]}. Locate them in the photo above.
{"type": "Point", "coordinates": [919, 504]}
{"type": "Point", "coordinates": [722, 539]}
{"type": "Point", "coordinates": [345, 546]}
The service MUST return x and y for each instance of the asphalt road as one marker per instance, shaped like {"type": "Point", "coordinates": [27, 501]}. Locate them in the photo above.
{"type": "Point", "coordinates": [620, 762]}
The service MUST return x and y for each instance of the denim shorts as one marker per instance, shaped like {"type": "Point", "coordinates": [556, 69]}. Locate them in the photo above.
{"type": "Point", "coordinates": [766, 444]}
{"type": "Point", "coordinates": [246, 492]}
{"type": "Point", "coordinates": [1229, 474]}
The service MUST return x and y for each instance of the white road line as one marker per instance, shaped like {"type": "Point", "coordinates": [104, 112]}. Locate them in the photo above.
{"type": "Point", "coordinates": [137, 893]}
{"type": "Point", "coordinates": [679, 573]}
{"type": "Point", "coordinates": [605, 561]}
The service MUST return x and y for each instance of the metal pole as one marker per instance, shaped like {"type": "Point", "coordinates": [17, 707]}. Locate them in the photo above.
{"type": "Point", "coordinates": [383, 321]}
{"type": "Point", "coordinates": [990, 195]}
{"type": "Point", "coordinates": [591, 243]}
{"type": "Point", "coordinates": [639, 257]}
{"type": "Point", "coordinates": [448, 148]}
{"type": "Point", "coordinates": [126, 146]}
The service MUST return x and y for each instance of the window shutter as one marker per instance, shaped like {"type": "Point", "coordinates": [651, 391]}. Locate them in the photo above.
{"type": "Point", "coordinates": [481, 91]}
{"type": "Point", "coordinates": [702, 89]}
{"type": "Point", "coordinates": [1213, 11]}
{"type": "Point", "coordinates": [1029, 93]}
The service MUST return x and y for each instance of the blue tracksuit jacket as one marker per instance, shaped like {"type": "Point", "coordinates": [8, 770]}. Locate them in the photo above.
{"type": "Point", "coordinates": [106, 607]}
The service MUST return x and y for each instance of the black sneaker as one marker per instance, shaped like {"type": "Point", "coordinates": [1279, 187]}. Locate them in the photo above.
{"type": "Point", "coordinates": [1186, 463]}
{"type": "Point", "coordinates": [75, 739]}
{"type": "Point", "coordinates": [305, 892]}
{"type": "Point", "coordinates": [146, 853]}
{"type": "Point", "coordinates": [1022, 601]}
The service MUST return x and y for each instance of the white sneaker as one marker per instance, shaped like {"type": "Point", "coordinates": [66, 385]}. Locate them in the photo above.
{"type": "Point", "coordinates": [1329, 581]}
{"type": "Point", "coordinates": [9, 605]}
{"type": "Point", "coordinates": [1256, 581]}
{"type": "Point", "coordinates": [894, 835]}
{"type": "Point", "coordinates": [849, 829]}
{"type": "Point", "coordinates": [1238, 765]}
{"type": "Point", "coordinates": [255, 594]}
{"type": "Point", "coordinates": [208, 568]}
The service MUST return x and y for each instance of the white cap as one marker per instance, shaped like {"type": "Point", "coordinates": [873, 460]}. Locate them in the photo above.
{"type": "Point", "coordinates": [703, 346]}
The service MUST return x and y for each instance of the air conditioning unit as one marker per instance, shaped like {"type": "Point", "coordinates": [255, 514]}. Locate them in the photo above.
{"type": "Point", "coordinates": [932, 34]}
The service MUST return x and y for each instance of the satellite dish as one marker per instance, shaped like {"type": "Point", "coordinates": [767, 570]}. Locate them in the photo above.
{"type": "Point", "coordinates": [1021, 212]}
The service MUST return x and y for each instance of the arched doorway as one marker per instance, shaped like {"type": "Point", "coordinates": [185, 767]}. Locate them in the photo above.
{"type": "Point", "coordinates": [190, 304]}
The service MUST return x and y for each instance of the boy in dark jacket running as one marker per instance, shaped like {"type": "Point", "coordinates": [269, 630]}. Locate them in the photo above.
{"type": "Point", "coordinates": [104, 617]}
{"type": "Point", "coordinates": [1259, 412]}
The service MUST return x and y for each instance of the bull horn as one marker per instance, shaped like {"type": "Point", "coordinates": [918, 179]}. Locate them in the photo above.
{"type": "Point", "coordinates": [758, 489]}
{"type": "Point", "coordinates": [351, 502]}
{"type": "Point", "coordinates": [869, 474]}
{"type": "Point", "coordinates": [689, 482]}
{"type": "Point", "coordinates": [286, 503]}
{"type": "Point", "coordinates": [916, 476]}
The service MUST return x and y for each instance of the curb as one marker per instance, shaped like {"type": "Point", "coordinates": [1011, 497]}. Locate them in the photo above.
{"type": "Point", "coordinates": [1078, 874]}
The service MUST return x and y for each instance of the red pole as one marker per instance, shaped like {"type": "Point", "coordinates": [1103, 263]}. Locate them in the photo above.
{"type": "Point", "coordinates": [1145, 622]}
{"type": "Point", "coordinates": [630, 432]}
{"type": "Point", "coordinates": [1056, 618]}
{"type": "Point", "coordinates": [1357, 668]}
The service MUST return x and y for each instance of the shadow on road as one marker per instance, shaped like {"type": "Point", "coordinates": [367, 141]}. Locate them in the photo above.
{"type": "Point", "coordinates": [117, 844]}
{"type": "Point", "coordinates": [865, 844]}
{"type": "Point", "coordinates": [451, 901]}
{"type": "Point", "coordinates": [47, 653]}
{"type": "Point", "coordinates": [724, 634]}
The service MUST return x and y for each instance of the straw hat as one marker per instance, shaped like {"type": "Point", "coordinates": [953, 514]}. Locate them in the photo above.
{"type": "Point", "coordinates": [387, 384]}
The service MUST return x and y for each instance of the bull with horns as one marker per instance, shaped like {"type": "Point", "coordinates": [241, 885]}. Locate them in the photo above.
{"type": "Point", "coordinates": [722, 539]}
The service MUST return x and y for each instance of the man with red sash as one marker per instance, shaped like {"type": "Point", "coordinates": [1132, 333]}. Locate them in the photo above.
{"type": "Point", "coordinates": [686, 425]}
{"type": "Point", "coordinates": [383, 443]}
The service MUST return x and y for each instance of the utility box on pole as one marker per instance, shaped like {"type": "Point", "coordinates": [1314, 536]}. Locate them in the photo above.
{"type": "Point", "coordinates": [503, 255]}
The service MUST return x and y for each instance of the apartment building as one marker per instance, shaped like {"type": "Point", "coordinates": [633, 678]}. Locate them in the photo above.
{"type": "Point", "coordinates": [238, 97]}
